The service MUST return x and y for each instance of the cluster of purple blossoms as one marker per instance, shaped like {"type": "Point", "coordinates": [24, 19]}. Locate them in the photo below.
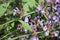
{"type": "Point", "coordinates": [52, 12]}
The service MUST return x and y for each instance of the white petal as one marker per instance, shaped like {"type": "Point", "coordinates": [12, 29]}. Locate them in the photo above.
{"type": "Point", "coordinates": [47, 33]}
{"type": "Point", "coordinates": [44, 28]}
{"type": "Point", "coordinates": [14, 13]}
{"type": "Point", "coordinates": [26, 19]}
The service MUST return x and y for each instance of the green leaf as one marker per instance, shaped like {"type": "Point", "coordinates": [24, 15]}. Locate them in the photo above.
{"type": "Point", "coordinates": [30, 3]}
{"type": "Point", "coordinates": [11, 0]}
{"type": "Point", "coordinates": [7, 34]}
{"type": "Point", "coordinates": [45, 16]}
{"type": "Point", "coordinates": [19, 37]}
{"type": "Point", "coordinates": [29, 13]}
{"type": "Point", "coordinates": [12, 24]}
{"type": "Point", "coordinates": [3, 8]}
{"type": "Point", "coordinates": [25, 25]}
{"type": "Point", "coordinates": [1, 26]}
{"type": "Point", "coordinates": [25, 0]}
{"type": "Point", "coordinates": [7, 18]}
{"type": "Point", "coordinates": [41, 1]}
{"type": "Point", "coordinates": [25, 7]}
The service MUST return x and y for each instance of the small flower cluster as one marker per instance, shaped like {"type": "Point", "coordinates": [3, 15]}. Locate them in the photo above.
{"type": "Point", "coordinates": [16, 10]}
{"type": "Point", "coordinates": [38, 23]}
